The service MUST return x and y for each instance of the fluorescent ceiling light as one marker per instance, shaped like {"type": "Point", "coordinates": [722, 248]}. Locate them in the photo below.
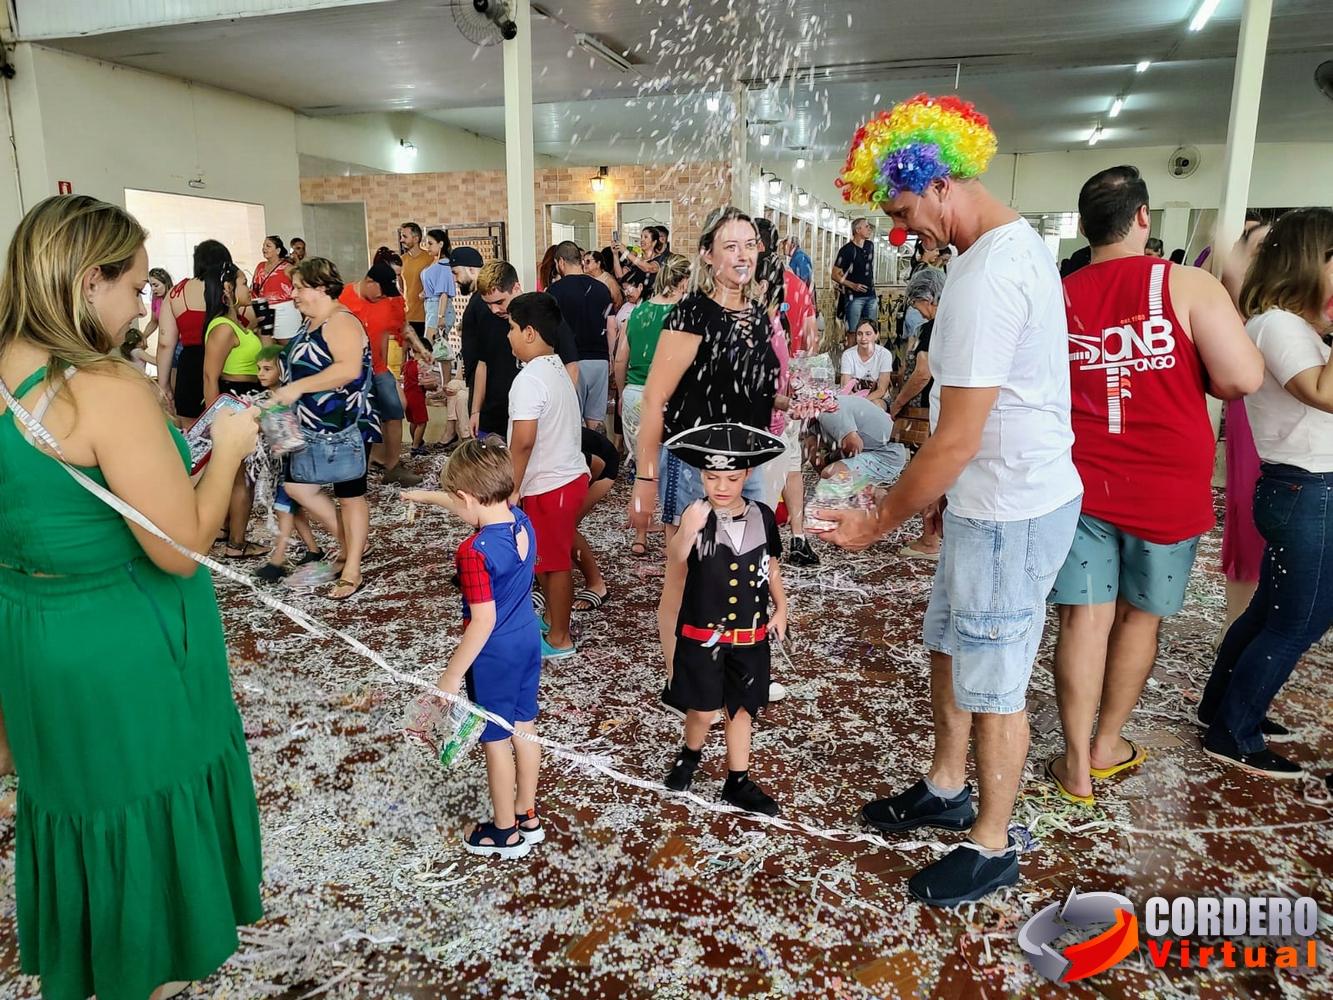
{"type": "Point", "coordinates": [765, 138]}
{"type": "Point", "coordinates": [800, 163]}
{"type": "Point", "coordinates": [595, 47]}
{"type": "Point", "coordinates": [1206, 10]}
{"type": "Point", "coordinates": [1095, 137]}
{"type": "Point", "coordinates": [712, 103]}
{"type": "Point", "coordinates": [1143, 65]}
{"type": "Point", "coordinates": [1116, 106]}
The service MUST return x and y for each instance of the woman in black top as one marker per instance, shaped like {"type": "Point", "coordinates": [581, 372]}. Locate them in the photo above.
{"type": "Point", "coordinates": [714, 363]}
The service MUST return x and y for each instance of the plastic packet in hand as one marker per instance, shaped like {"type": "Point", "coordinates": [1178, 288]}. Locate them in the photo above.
{"type": "Point", "coordinates": [447, 730]}
{"type": "Point", "coordinates": [841, 491]}
{"type": "Point", "coordinates": [282, 429]}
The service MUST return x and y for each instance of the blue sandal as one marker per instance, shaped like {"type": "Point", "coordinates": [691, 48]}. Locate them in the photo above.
{"type": "Point", "coordinates": [533, 835]}
{"type": "Point", "coordinates": [499, 845]}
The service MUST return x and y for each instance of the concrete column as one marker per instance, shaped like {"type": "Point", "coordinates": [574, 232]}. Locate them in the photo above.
{"type": "Point", "coordinates": [740, 149]}
{"type": "Point", "coordinates": [520, 181]}
{"type": "Point", "coordinates": [1175, 228]}
{"type": "Point", "coordinates": [1245, 90]}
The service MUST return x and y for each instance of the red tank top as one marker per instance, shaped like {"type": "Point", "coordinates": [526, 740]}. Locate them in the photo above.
{"type": "Point", "coordinates": [190, 322]}
{"type": "Point", "coordinates": [1143, 443]}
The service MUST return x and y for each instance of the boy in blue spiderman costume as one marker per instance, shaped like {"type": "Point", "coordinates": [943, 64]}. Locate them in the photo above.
{"type": "Point", "coordinates": [499, 656]}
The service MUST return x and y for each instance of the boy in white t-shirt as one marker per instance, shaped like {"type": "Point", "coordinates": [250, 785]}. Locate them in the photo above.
{"type": "Point", "coordinates": [867, 368]}
{"type": "Point", "coordinates": [550, 474]}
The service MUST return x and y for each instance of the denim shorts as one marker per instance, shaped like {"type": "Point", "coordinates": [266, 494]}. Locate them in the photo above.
{"type": "Point", "coordinates": [593, 389]}
{"type": "Point", "coordinates": [1105, 563]}
{"type": "Point", "coordinates": [384, 397]}
{"type": "Point", "coordinates": [679, 485]}
{"type": "Point", "coordinates": [861, 307]}
{"type": "Point", "coordinates": [988, 604]}
{"type": "Point", "coordinates": [882, 468]}
{"type": "Point", "coordinates": [282, 503]}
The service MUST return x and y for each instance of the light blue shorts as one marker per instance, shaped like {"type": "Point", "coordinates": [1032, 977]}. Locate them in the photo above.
{"type": "Point", "coordinates": [1105, 563]}
{"type": "Point", "coordinates": [988, 604]}
{"type": "Point", "coordinates": [882, 468]}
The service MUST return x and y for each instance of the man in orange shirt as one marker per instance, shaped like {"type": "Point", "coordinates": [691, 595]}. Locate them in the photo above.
{"type": "Point", "coordinates": [415, 260]}
{"type": "Point", "coordinates": [375, 301]}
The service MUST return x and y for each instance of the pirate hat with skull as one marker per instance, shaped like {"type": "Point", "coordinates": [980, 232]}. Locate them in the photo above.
{"type": "Point", "coordinates": [725, 447]}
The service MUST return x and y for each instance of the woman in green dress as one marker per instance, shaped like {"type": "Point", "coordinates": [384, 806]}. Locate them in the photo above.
{"type": "Point", "coordinates": [137, 850]}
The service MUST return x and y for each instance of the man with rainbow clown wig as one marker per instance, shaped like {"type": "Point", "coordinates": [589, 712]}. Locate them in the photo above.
{"type": "Point", "coordinates": [996, 474]}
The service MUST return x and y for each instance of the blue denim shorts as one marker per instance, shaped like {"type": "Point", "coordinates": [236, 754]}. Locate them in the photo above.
{"type": "Point", "coordinates": [1105, 563]}
{"type": "Point", "coordinates": [384, 397]}
{"type": "Point", "coordinates": [680, 485]}
{"type": "Point", "coordinates": [282, 503]}
{"type": "Point", "coordinates": [988, 604]}
{"type": "Point", "coordinates": [882, 468]}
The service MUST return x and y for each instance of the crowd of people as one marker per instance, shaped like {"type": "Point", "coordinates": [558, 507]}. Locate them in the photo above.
{"type": "Point", "coordinates": [1044, 480]}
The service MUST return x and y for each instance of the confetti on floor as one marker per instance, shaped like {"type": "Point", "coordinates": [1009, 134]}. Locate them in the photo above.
{"type": "Point", "coordinates": [368, 893]}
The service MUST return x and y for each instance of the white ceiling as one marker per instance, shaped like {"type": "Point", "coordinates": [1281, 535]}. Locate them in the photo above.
{"type": "Point", "coordinates": [1045, 72]}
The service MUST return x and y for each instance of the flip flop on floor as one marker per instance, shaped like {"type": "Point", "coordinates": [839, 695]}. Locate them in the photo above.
{"type": "Point", "coordinates": [355, 585]}
{"type": "Point", "coordinates": [591, 598]}
{"type": "Point", "coordinates": [250, 550]}
{"type": "Point", "coordinates": [539, 603]}
{"type": "Point", "coordinates": [1137, 755]}
{"type": "Point", "coordinates": [1065, 793]}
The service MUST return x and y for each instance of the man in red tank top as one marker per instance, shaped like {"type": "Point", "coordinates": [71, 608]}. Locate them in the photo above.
{"type": "Point", "coordinates": [1147, 340]}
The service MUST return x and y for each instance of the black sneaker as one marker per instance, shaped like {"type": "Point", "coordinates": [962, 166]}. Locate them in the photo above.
{"type": "Point", "coordinates": [1269, 728]}
{"type": "Point", "coordinates": [918, 806]}
{"type": "Point", "coordinates": [671, 703]}
{"type": "Point", "coordinates": [1265, 762]}
{"type": "Point", "coordinates": [270, 573]}
{"type": "Point", "coordinates": [801, 553]}
{"type": "Point", "coordinates": [964, 875]}
{"type": "Point", "coordinates": [745, 794]}
{"type": "Point", "coordinates": [681, 775]}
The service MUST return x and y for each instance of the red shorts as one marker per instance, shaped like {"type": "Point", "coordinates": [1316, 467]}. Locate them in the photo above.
{"type": "Point", "coordinates": [554, 518]}
{"type": "Point", "coordinates": [416, 405]}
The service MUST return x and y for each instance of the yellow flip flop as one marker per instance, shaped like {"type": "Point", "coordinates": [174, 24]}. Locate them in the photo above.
{"type": "Point", "coordinates": [1065, 793]}
{"type": "Point", "coordinates": [1136, 757]}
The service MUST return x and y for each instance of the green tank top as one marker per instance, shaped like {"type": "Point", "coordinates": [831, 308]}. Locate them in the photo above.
{"type": "Point", "coordinates": [642, 331]}
{"type": "Point", "coordinates": [48, 522]}
{"type": "Point", "coordinates": [244, 357]}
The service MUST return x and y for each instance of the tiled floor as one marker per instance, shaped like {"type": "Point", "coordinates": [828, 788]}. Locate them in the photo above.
{"type": "Point", "coordinates": [636, 895]}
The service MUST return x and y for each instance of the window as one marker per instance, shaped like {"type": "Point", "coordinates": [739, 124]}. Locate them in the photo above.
{"type": "Point", "coordinates": [576, 221]}
{"type": "Point", "coordinates": [632, 216]}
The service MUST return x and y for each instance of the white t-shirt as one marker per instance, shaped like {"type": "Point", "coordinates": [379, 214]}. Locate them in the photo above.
{"type": "Point", "coordinates": [1287, 431]}
{"type": "Point", "coordinates": [542, 391]}
{"type": "Point", "coordinates": [1001, 322]}
{"type": "Point", "coordinates": [881, 361]}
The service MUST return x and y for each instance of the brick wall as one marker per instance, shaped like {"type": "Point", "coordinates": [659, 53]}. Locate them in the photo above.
{"type": "Point", "coordinates": [479, 196]}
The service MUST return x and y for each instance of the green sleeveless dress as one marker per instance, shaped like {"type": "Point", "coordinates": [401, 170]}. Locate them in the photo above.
{"type": "Point", "coordinates": [137, 851]}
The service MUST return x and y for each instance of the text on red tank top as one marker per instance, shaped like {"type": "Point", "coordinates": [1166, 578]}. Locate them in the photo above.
{"type": "Point", "coordinates": [1143, 442]}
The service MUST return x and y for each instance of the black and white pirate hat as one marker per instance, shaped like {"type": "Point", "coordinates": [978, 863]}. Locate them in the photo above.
{"type": "Point", "coordinates": [725, 447]}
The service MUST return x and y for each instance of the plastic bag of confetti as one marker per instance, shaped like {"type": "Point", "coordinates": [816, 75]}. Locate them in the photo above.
{"type": "Point", "coordinates": [841, 491]}
{"type": "Point", "coordinates": [282, 429]}
{"type": "Point", "coordinates": [448, 730]}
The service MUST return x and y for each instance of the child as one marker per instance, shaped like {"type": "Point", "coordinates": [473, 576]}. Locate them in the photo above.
{"type": "Point", "coordinates": [289, 516]}
{"type": "Point", "coordinates": [730, 548]}
{"type": "Point", "coordinates": [415, 383]}
{"type": "Point", "coordinates": [549, 470]}
{"type": "Point", "coordinates": [500, 652]}
{"type": "Point", "coordinates": [131, 349]}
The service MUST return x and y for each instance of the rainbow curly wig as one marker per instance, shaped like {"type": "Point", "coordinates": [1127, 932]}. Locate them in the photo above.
{"type": "Point", "coordinates": [913, 143]}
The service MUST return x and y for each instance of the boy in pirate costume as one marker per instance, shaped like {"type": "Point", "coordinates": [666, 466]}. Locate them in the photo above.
{"type": "Point", "coordinates": [730, 547]}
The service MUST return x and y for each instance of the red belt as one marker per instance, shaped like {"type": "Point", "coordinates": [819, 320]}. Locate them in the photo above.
{"type": "Point", "coordinates": [730, 637]}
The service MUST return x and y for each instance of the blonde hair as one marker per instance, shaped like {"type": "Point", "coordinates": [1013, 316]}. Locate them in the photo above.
{"type": "Point", "coordinates": [704, 280]}
{"type": "Point", "coordinates": [497, 276]}
{"type": "Point", "coordinates": [674, 270]}
{"type": "Point", "coordinates": [52, 251]}
{"type": "Point", "coordinates": [480, 467]}
{"type": "Point", "coordinates": [1288, 268]}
